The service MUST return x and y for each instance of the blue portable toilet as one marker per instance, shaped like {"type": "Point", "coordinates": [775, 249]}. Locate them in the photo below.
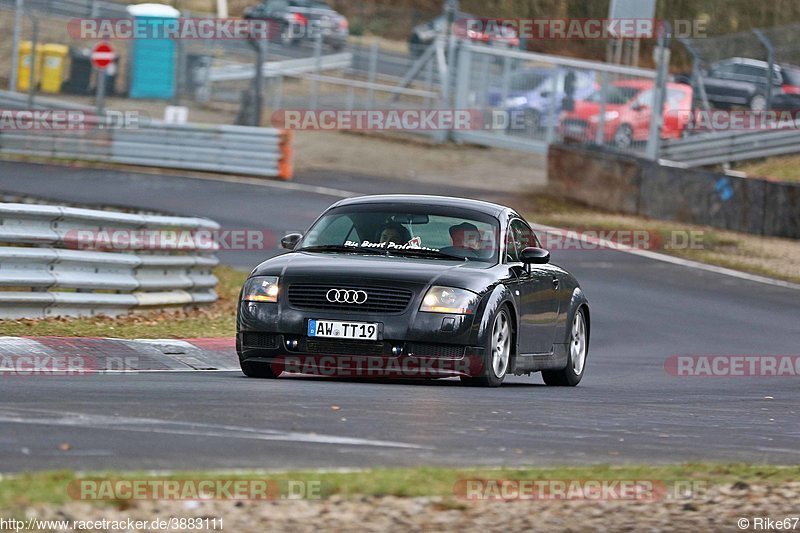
{"type": "Point", "coordinates": [152, 56]}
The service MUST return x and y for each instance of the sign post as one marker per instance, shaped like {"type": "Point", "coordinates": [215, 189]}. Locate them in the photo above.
{"type": "Point", "coordinates": [102, 57]}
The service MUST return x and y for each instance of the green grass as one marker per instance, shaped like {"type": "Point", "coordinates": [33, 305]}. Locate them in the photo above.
{"type": "Point", "coordinates": [767, 256]}
{"type": "Point", "coordinates": [22, 490]}
{"type": "Point", "coordinates": [783, 168]}
{"type": "Point", "coordinates": [217, 320]}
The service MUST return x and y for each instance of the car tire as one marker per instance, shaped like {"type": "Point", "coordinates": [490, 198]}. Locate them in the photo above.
{"type": "Point", "coordinates": [497, 353]}
{"type": "Point", "coordinates": [757, 103]}
{"type": "Point", "coordinates": [259, 370]}
{"type": "Point", "coordinates": [623, 137]}
{"type": "Point", "coordinates": [577, 350]}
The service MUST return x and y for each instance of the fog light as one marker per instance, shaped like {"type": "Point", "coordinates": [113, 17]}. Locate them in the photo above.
{"type": "Point", "coordinates": [397, 349]}
{"type": "Point", "coordinates": [291, 344]}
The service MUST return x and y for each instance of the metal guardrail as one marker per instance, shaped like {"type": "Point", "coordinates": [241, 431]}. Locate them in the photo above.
{"type": "Point", "coordinates": [215, 148]}
{"type": "Point", "coordinates": [714, 148]}
{"type": "Point", "coordinates": [45, 270]}
{"type": "Point", "coordinates": [286, 67]}
{"type": "Point", "coordinates": [205, 147]}
{"type": "Point", "coordinates": [74, 8]}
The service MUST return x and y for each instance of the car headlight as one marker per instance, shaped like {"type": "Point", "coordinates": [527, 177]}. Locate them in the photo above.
{"type": "Point", "coordinates": [261, 289]}
{"type": "Point", "coordinates": [516, 101]}
{"type": "Point", "coordinates": [610, 115]}
{"type": "Point", "coordinates": [449, 300]}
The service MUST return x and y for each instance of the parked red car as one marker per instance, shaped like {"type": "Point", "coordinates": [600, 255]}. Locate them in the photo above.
{"type": "Point", "coordinates": [628, 110]}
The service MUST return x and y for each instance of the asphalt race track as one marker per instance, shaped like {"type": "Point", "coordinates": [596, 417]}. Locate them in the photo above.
{"type": "Point", "coordinates": [627, 409]}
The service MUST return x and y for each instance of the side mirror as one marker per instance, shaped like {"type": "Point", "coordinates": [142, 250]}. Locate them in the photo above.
{"type": "Point", "coordinates": [535, 256]}
{"type": "Point", "coordinates": [291, 240]}
{"type": "Point", "coordinates": [637, 106]}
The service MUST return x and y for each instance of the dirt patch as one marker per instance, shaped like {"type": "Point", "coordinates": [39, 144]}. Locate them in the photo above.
{"type": "Point", "coordinates": [718, 509]}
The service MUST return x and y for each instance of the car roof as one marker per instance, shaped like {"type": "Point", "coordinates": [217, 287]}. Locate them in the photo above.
{"type": "Point", "coordinates": [748, 61]}
{"type": "Point", "coordinates": [426, 199]}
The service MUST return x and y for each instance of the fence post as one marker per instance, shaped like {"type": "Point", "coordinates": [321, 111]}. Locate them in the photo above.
{"type": "Point", "coordinates": [314, 97]}
{"type": "Point", "coordinates": [770, 60]}
{"type": "Point", "coordinates": [373, 68]}
{"type": "Point", "coordinates": [12, 78]}
{"type": "Point", "coordinates": [551, 124]}
{"type": "Point", "coordinates": [600, 136]}
{"type": "Point", "coordinates": [659, 92]}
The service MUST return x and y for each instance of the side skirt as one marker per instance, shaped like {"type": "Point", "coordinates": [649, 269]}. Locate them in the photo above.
{"type": "Point", "coordinates": [555, 360]}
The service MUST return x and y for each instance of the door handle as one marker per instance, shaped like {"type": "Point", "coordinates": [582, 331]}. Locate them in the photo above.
{"type": "Point", "coordinates": [555, 282]}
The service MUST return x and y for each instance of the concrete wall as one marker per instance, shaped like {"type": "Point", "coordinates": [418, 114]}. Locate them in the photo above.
{"type": "Point", "coordinates": [627, 184]}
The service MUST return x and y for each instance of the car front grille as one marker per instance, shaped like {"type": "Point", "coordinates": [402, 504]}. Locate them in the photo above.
{"type": "Point", "coordinates": [260, 340]}
{"type": "Point", "coordinates": [379, 299]}
{"type": "Point", "coordinates": [443, 351]}
{"type": "Point", "coordinates": [343, 347]}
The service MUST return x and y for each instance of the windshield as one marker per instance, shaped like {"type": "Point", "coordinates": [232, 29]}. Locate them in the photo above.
{"type": "Point", "coordinates": [791, 76]}
{"type": "Point", "coordinates": [530, 79]}
{"type": "Point", "coordinates": [614, 95]}
{"type": "Point", "coordinates": [414, 232]}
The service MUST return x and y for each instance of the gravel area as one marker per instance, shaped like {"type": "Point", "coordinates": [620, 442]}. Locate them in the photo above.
{"type": "Point", "coordinates": [717, 508]}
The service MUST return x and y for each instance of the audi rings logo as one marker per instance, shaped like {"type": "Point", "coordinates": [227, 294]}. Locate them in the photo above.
{"type": "Point", "coordinates": [346, 296]}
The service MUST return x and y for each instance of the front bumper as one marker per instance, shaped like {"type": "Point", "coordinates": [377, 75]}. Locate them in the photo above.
{"type": "Point", "coordinates": [411, 344]}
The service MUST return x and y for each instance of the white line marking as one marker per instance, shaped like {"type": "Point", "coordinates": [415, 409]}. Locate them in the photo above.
{"type": "Point", "coordinates": [153, 425]}
{"type": "Point", "coordinates": [614, 246]}
{"type": "Point", "coordinates": [286, 185]}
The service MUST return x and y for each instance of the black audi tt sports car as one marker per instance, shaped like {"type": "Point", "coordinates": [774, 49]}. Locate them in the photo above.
{"type": "Point", "coordinates": [414, 286]}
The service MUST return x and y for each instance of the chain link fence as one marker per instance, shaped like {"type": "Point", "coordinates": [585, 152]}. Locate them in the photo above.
{"type": "Point", "coordinates": [525, 100]}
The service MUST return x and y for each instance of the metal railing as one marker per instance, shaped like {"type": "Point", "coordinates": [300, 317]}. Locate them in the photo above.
{"type": "Point", "coordinates": [52, 261]}
{"type": "Point", "coordinates": [723, 147]}
{"type": "Point", "coordinates": [215, 148]}
{"type": "Point", "coordinates": [284, 67]}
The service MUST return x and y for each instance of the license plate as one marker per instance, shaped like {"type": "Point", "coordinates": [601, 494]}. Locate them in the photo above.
{"type": "Point", "coordinates": [366, 331]}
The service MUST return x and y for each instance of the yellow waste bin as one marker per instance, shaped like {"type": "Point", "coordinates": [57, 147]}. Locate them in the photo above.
{"type": "Point", "coordinates": [24, 71]}
{"type": "Point", "coordinates": [53, 67]}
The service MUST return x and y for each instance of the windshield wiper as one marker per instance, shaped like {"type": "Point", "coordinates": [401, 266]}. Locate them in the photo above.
{"type": "Point", "coordinates": [435, 254]}
{"type": "Point", "coordinates": [340, 248]}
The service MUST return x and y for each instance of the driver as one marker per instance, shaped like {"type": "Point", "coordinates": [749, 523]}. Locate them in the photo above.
{"type": "Point", "coordinates": [465, 236]}
{"type": "Point", "coordinates": [395, 233]}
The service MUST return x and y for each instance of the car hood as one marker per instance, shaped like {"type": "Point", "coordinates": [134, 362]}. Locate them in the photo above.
{"type": "Point", "coordinates": [586, 109]}
{"type": "Point", "coordinates": [374, 268]}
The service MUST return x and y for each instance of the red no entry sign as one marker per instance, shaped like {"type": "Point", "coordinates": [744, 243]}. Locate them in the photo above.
{"type": "Point", "coordinates": [102, 55]}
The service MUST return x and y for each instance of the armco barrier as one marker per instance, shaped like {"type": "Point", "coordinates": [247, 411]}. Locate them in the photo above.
{"type": "Point", "coordinates": [215, 148]}
{"type": "Point", "coordinates": [714, 148]}
{"type": "Point", "coordinates": [626, 184]}
{"type": "Point", "coordinates": [45, 270]}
